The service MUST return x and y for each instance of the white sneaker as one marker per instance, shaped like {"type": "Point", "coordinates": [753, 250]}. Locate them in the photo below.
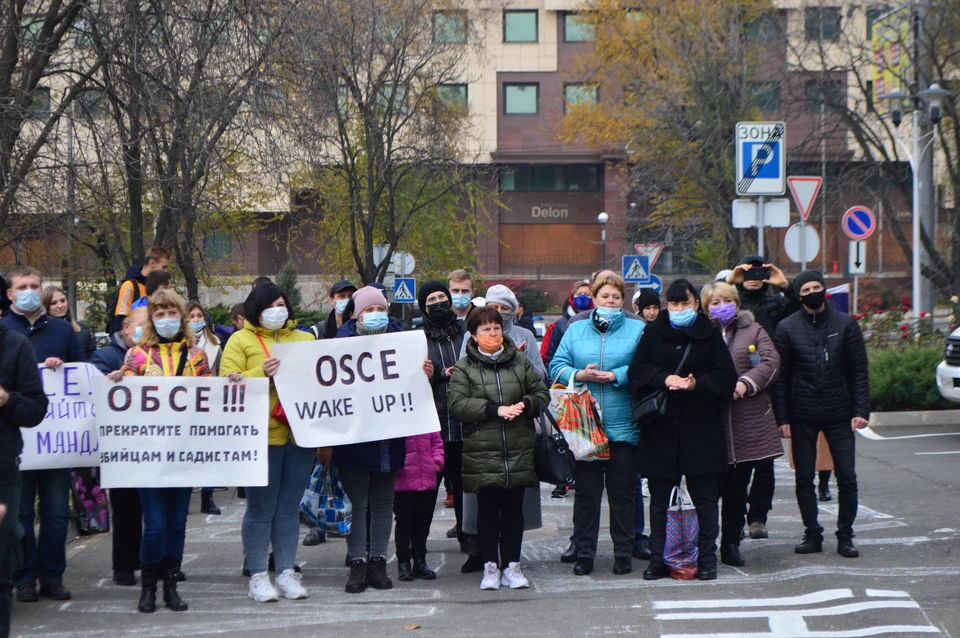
{"type": "Point", "coordinates": [491, 577]}
{"type": "Point", "coordinates": [514, 578]}
{"type": "Point", "coordinates": [261, 590]}
{"type": "Point", "coordinates": [645, 488]}
{"type": "Point", "coordinates": [288, 583]}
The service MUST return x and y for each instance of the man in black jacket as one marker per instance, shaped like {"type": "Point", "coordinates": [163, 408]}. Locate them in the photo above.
{"type": "Point", "coordinates": [54, 343]}
{"type": "Point", "coordinates": [766, 292]}
{"type": "Point", "coordinates": [23, 404]}
{"type": "Point", "coordinates": [340, 294]}
{"type": "Point", "coordinates": [823, 387]}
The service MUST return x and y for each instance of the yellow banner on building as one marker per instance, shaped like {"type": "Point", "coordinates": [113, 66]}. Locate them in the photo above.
{"type": "Point", "coordinates": [891, 55]}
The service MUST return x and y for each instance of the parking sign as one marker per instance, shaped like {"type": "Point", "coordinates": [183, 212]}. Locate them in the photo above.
{"type": "Point", "coordinates": [761, 158]}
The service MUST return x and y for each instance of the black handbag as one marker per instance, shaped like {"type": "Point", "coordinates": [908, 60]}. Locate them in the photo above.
{"type": "Point", "coordinates": [654, 405]}
{"type": "Point", "coordinates": [552, 457]}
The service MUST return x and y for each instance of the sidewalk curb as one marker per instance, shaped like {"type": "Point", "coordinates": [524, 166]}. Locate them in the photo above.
{"type": "Point", "coordinates": [928, 417]}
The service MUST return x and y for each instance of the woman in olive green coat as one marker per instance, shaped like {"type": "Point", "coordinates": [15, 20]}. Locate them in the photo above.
{"type": "Point", "coordinates": [496, 393]}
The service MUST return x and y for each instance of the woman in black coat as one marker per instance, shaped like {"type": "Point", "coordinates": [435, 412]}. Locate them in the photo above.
{"type": "Point", "coordinates": [689, 440]}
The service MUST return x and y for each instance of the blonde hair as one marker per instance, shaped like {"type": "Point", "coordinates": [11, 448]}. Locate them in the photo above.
{"type": "Point", "coordinates": [607, 278]}
{"type": "Point", "coordinates": [47, 298]}
{"type": "Point", "coordinates": [162, 300]}
{"type": "Point", "coordinates": [460, 275]}
{"type": "Point", "coordinates": [720, 288]}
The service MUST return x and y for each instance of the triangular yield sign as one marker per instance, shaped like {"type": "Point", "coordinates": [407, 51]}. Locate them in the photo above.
{"type": "Point", "coordinates": [650, 251]}
{"type": "Point", "coordinates": [804, 191]}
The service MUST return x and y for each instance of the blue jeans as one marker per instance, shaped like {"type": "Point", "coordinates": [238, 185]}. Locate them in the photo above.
{"type": "Point", "coordinates": [273, 512]}
{"type": "Point", "coordinates": [638, 518]}
{"type": "Point", "coordinates": [44, 556]}
{"type": "Point", "coordinates": [164, 522]}
{"type": "Point", "coordinates": [373, 491]}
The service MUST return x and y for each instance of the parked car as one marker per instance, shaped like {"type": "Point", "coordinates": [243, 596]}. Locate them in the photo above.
{"type": "Point", "coordinates": [948, 372]}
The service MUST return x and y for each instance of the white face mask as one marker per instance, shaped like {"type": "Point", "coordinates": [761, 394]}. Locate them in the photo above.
{"type": "Point", "coordinates": [274, 318]}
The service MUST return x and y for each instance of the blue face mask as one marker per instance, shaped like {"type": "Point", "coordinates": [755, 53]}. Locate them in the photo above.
{"type": "Point", "coordinates": [460, 301]}
{"type": "Point", "coordinates": [137, 333]}
{"type": "Point", "coordinates": [341, 305]}
{"type": "Point", "coordinates": [609, 313]}
{"type": "Point", "coordinates": [375, 321]}
{"type": "Point", "coordinates": [167, 328]}
{"type": "Point", "coordinates": [198, 326]}
{"type": "Point", "coordinates": [28, 300]}
{"type": "Point", "coordinates": [683, 318]}
{"type": "Point", "coordinates": [582, 302]}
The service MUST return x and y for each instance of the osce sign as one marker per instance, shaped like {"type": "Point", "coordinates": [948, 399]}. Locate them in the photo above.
{"type": "Point", "coordinates": [761, 158]}
{"type": "Point", "coordinates": [182, 431]}
{"type": "Point", "coordinates": [341, 391]}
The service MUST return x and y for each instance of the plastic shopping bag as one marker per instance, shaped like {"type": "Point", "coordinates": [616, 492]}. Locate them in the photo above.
{"type": "Point", "coordinates": [324, 502]}
{"type": "Point", "coordinates": [681, 550]}
{"type": "Point", "coordinates": [578, 417]}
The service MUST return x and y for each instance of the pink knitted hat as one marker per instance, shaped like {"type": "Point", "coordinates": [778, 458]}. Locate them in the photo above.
{"type": "Point", "coordinates": [366, 297]}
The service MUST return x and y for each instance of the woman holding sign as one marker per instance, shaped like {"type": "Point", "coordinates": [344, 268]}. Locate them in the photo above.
{"type": "Point", "coordinates": [272, 513]}
{"type": "Point", "coordinates": [166, 348]}
{"type": "Point", "coordinates": [368, 471]}
{"type": "Point", "coordinates": [496, 393]}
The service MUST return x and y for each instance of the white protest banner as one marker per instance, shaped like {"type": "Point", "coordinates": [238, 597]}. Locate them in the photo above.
{"type": "Point", "coordinates": [340, 391]}
{"type": "Point", "coordinates": [182, 431]}
{"type": "Point", "coordinates": [67, 436]}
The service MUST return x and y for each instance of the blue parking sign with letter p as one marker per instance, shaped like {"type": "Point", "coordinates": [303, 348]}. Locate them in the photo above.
{"type": "Point", "coordinates": [763, 161]}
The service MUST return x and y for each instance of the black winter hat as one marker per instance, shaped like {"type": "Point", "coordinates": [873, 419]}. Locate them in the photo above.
{"type": "Point", "coordinates": [806, 277]}
{"type": "Point", "coordinates": [428, 288]}
{"type": "Point", "coordinates": [342, 286]}
{"type": "Point", "coordinates": [648, 297]}
{"type": "Point", "coordinates": [753, 260]}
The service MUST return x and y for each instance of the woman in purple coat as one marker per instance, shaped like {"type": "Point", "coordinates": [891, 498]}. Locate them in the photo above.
{"type": "Point", "coordinates": [749, 423]}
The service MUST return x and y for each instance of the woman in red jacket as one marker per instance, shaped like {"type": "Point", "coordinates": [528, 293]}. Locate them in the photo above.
{"type": "Point", "coordinates": [414, 500]}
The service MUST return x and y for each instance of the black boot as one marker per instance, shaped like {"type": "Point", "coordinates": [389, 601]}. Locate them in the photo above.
{"type": "Point", "coordinates": [584, 567]}
{"type": "Point", "coordinates": [811, 544]}
{"type": "Point", "coordinates": [824, 490]}
{"type": "Point", "coordinates": [403, 571]}
{"type": "Point", "coordinates": [474, 564]}
{"type": "Point", "coordinates": [422, 570]}
{"type": "Point", "coordinates": [357, 580]}
{"type": "Point", "coordinates": [846, 548]}
{"type": "Point", "coordinates": [622, 565]}
{"type": "Point", "coordinates": [641, 549]}
{"type": "Point", "coordinates": [170, 596]}
{"type": "Point", "coordinates": [730, 555]}
{"type": "Point", "coordinates": [207, 506]}
{"type": "Point", "coordinates": [707, 571]}
{"type": "Point", "coordinates": [656, 570]}
{"type": "Point", "coordinates": [125, 578]}
{"type": "Point", "coordinates": [377, 574]}
{"type": "Point", "coordinates": [569, 556]}
{"type": "Point", "coordinates": [149, 575]}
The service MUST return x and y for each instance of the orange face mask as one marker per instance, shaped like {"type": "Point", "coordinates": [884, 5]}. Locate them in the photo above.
{"type": "Point", "coordinates": [490, 344]}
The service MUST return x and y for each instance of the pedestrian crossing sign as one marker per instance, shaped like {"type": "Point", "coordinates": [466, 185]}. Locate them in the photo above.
{"type": "Point", "coordinates": [636, 269]}
{"type": "Point", "coordinates": [405, 290]}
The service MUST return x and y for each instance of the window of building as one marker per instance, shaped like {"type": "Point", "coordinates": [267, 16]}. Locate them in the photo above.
{"type": "Point", "coordinates": [871, 106]}
{"type": "Point", "coordinates": [91, 103]}
{"type": "Point", "coordinates": [766, 97]}
{"type": "Point", "coordinates": [40, 106]}
{"type": "Point", "coordinates": [450, 27]}
{"type": "Point", "coordinates": [823, 21]}
{"type": "Point", "coordinates": [576, 94]}
{"type": "Point", "coordinates": [217, 244]}
{"type": "Point", "coordinates": [872, 15]}
{"type": "Point", "coordinates": [766, 28]}
{"type": "Point", "coordinates": [828, 94]}
{"type": "Point", "coordinates": [521, 99]}
{"type": "Point", "coordinates": [550, 178]}
{"type": "Point", "coordinates": [520, 26]}
{"type": "Point", "coordinates": [452, 94]}
{"type": "Point", "coordinates": [394, 99]}
{"type": "Point", "coordinates": [576, 29]}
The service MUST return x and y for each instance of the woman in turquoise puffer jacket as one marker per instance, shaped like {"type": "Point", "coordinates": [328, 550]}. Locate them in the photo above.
{"type": "Point", "coordinates": [597, 351]}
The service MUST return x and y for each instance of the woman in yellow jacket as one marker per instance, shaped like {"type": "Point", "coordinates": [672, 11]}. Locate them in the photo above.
{"type": "Point", "coordinates": [166, 348]}
{"type": "Point", "coordinates": [272, 515]}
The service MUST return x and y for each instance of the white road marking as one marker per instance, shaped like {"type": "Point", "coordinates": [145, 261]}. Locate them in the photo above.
{"type": "Point", "coordinates": [935, 453]}
{"type": "Point", "coordinates": [887, 593]}
{"type": "Point", "coordinates": [869, 433]}
{"type": "Point", "coordinates": [838, 610]}
{"type": "Point", "coordinates": [806, 599]}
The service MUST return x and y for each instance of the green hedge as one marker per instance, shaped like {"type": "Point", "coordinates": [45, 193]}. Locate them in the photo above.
{"type": "Point", "coordinates": [906, 379]}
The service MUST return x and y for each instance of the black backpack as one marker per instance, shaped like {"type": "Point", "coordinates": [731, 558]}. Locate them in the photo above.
{"type": "Point", "coordinates": [112, 301]}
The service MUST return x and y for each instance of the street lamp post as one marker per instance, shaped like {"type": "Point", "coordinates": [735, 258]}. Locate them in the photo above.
{"type": "Point", "coordinates": [931, 99]}
{"type": "Point", "coordinates": [603, 218]}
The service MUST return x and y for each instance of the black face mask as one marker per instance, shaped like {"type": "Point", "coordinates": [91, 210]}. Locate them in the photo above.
{"type": "Point", "coordinates": [439, 310]}
{"type": "Point", "coordinates": [814, 300]}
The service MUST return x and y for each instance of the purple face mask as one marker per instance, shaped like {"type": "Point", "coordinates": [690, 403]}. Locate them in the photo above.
{"type": "Point", "coordinates": [724, 313]}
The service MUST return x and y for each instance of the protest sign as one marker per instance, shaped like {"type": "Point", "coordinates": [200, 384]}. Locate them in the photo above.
{"type": "Point", "coordinates": [67, 436]}
{"type": "Point", "coordinates": [340, 391]}
{"type": "Point", "coordinates": [182, 431]}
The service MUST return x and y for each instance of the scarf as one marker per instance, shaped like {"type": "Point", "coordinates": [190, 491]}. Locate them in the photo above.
{"type": "Point", "coordinates": [363, 331]}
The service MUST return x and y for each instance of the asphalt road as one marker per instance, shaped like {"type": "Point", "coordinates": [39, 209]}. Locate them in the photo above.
{"type": "Point", "coordinates": [904, 584]}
